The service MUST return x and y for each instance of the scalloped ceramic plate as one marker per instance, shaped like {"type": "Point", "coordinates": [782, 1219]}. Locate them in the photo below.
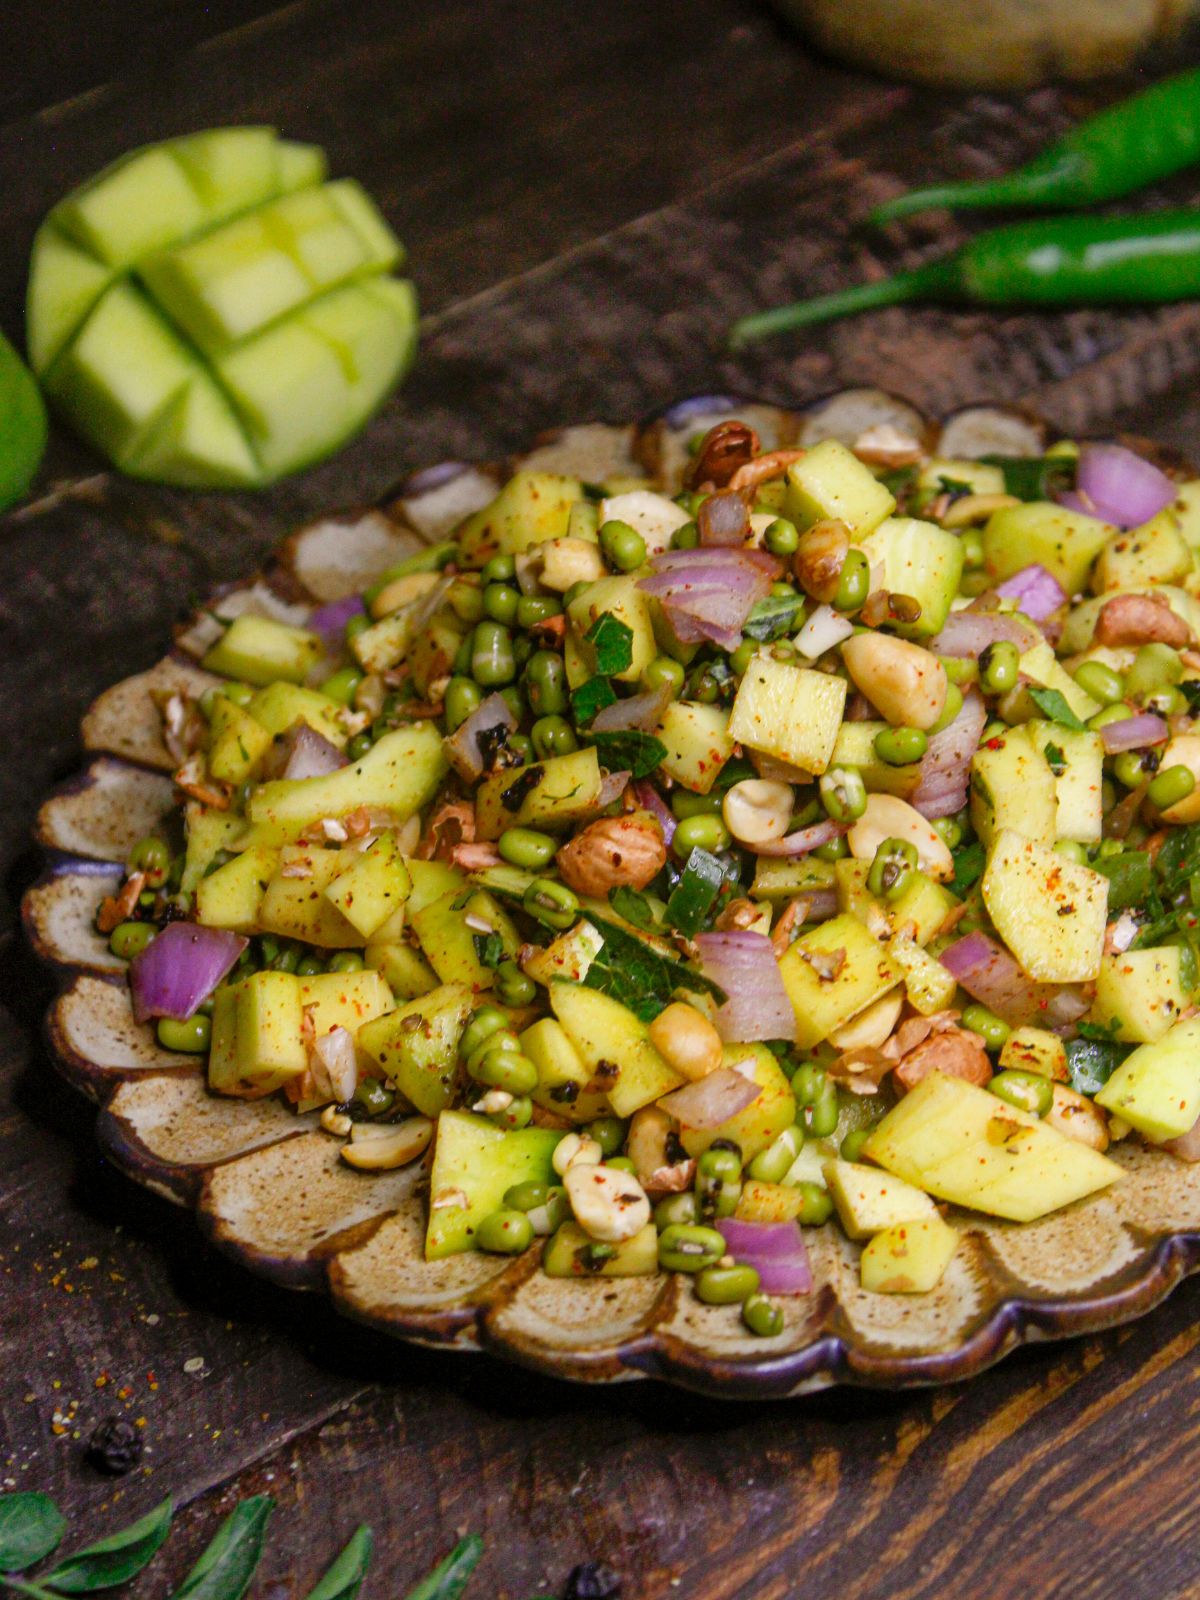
{"type": "Point", "coordinates": [268, 1188]}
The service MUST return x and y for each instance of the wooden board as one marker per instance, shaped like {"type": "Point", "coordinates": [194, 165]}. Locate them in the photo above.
{"type": "Point", "coordinates": [589, 197]}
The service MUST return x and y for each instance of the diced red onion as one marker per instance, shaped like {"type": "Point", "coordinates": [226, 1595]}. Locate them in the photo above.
{"type": "Point", "coordinates": [464, 747]}
{"type": "Point", "coordinates": [642, 711]}
{"type": "Point", "coordinates": [1134, 733]}
{"type": "Point", "coordinates": [716, 560]}
{"type": "Point", "coordinates": [946, 765]}
{"type": "Point", "coordinates": [802, 842]}
{"type": "Point", "coordinates": [1187, 1146]}
{"type": "Point", "coordinates": [1035, 591]}
{"type": "Point", "coordinates": [612, 787]}
{"type": "Point", "coordinates": [991, 975]}
{"type": "Point", "coordinates": [709, 595]}
{"type": "Point", "coordinates": [330, 621]}
{"type": "Point", "coordinates": [180, 968]}
{"type": "Point", "coordinates": [775, 1250]}
{"type": "Point", "coordinates": [823, 630]}
{"type": "Point", "coordinates": [650, 800]}
{"type": "Point", "coordinates": [724, 519]}
{"type": "Point", "coordinates": [302, 752]}
{"type": "Point", "coordinates": [710, 1101]}
{"type": "Point", "coordinates": [743, 963]}
{"type": "Point", "coordinates": [822, 904]}
{"type": "Point", "coordinates": [968, 633]}
{"type": "Point", "coordinates": [1118, 486]}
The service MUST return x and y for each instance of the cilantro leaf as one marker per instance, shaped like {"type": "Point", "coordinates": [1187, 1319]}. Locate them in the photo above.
{"type": "Point", "coordinates": [1052, 703]}
{"type": "Point", "coordinates": [629, 751]}
{"type": "Point", "coordinates": [633, 972]}
{"type": "Point", "coordinates": [1189, 688]}
{"type": "Point", "coordinates": [591, 697]}
{"type": "Point", "coordinates": [612, 642]}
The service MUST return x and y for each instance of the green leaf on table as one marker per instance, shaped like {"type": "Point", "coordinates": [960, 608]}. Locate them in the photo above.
{"type": "Point", "coordinates": [591, 697]}
{"type": "Point", "coordinates": [225, 1569]}
{"type": "Point", "coordinates": [1052, 703]}
{"type": "Point", "coordinates": [612, 644]}
{"type": "Point", "coordinates": [638, 975]}
{"type": "Point", "coordinates": [449, 1578]}
{"type": "Point", "coordinates": [115, 1559]}
{"type": "Point", "coordinates": [31, 1525]}
{"type": "Point", "coordinates": [343, 1579]}
{"type": "Point", "coordinates": [629, 751]}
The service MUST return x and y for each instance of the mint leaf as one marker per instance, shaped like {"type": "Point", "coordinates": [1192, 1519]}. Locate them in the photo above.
{"type": "Point", "coordinates": [113, 1560]}
{"type": "Point", "coordinates": [634, 907]}
{"type": "Point", "coordinates": [1052, 703]}
{"type": "Point", "coordinates": [1092, 1062]}
{"type": "Point", "coordinates": [633, 972]}
{"type": "Point", "coordinates": [612, 643]}
{"type": "Point", "coordinates": [773, 617]}
{"type": "Point", "coordinates": [630, 751]}
{"type": "Point", "coordinates": [591, 697]}
{"type": "Point", "coordinates": [31, 1525]}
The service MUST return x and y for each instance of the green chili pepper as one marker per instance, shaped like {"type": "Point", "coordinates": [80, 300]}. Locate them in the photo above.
{"type": "Point", "coordinates": [1058, 261]}
{"type": "Point", "coordinates": [1125, 147]}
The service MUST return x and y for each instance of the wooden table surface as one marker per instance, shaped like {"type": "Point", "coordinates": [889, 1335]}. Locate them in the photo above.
{"type": "Point", "coordinates": [589, 194]}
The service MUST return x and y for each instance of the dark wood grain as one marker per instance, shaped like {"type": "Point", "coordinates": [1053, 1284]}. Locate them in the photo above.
{"type": "Point", "coordinates": [590, 196]}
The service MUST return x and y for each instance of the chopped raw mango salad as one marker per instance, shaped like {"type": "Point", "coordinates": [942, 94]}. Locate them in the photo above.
{"type": "Point", "coordinates": [667, 875]}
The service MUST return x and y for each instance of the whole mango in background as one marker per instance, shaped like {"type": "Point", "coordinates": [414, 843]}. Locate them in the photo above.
{"type": "Point", "coordinates": [212, 312]}
{"type": "Point", "coordinates": [22, 426]}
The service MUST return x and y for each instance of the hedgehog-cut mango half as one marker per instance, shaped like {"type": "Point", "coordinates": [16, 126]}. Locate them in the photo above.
{"type": "Point", "coordinates": [214, 312]}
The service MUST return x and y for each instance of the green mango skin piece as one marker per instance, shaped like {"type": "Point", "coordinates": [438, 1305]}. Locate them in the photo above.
{"type": "Point", "coordinates": [211, 312]}
{"type": "Point", "coordinates": [22, 426]}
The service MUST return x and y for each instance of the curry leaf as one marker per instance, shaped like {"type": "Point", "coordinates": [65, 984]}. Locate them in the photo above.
{"type": "Point", "coordinates": [629, 751]}
{"type": "Point", "coordinates": [343, 1579]}
{"type": "Point", "coordinates": [113, 1560]}
{"type": "Point", "coordinates": [449, 1578]}
{"type": "Point", "coordinates": [1053, 704]}
{"type": "Point", "coordinates": [612, 642]}
{"type": "Point", "coordinates": [226, 1567]}
{"type": "Point", "coordinates": [31, 1525]}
